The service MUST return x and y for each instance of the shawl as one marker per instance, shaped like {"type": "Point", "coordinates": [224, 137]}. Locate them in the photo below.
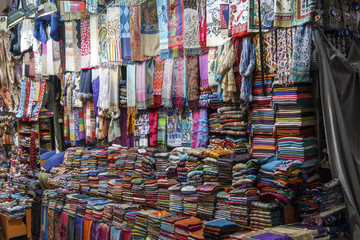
{"type": "Point", "coordinates": [247, 66]}
{"type": "Point", "coordinates": [94, 41]}
{"type": "Point", "coordinates": [203, 62]}
{"type": "Point", "coordinates": [140, 86]}
{"type": "Point", "coordinates": [301, 11]}
{"type": "Point", "coordinates": [284, 54]}
{"type": "Point", "coordinates": [130, 89]}
{"type": "Point", "coordinates": [162, 128]}
{"type": "Point", "coordinates": [270, 52]}
{"type": "Point", "coordinates": [202, 25]}
{"type": "Point", "coordinates": [239, 18]}
{"type": "Point", "coordinates": [135, 33]}
{"type": "Point", "coordinates": [282, 13]}
{"type": "Point", "coordinates": [95, 87]}
{"type": "Point", "coordinates": [217, 20]}
{"type": "Point", "coordinates": [77, 44]}
{"type": "Point", "coordinates": [144, 128]}
{"type": "Point", "coordinates": [301, 57]}
{"type": "Point", "coordinates": [237, 50]}
{"type": "Point", "coordinates": [179, 85]}
{"type": "Point", "coordinates": [191, 31]}
{"type": "Point", "coordinates": [56, 57]}
{"type": "Point", "coordinates": [115, 78]}
{"type": "Point", "coordinates": [85, 43]}
{"type": "Point", "coordinates": [69, 49]}
{"type": "Point", "coordinates": [167, 83]}
{"type": "Point", "coordinates": [267, 15]}
{"type": "Point", "coordinates": [104, 100]}
{"type": "Point", "coordinates": [150, 74]}
{"type": "Point", "coordinates": [162, 6]}
{"type": "Point", "coordinates": [150, 44]}
{"type": "Point", "coordinates": [158, 80]}
{"type": "Point", "coordinates": [123, 126]}
{"type": "Point", "coordinates": [125, 32]}
{"type": "Point", "coordinates": [175, 27]}
{"type": "Point", "coordinates": [192, 81]}
{"type": "Point", "coordinates": [154, 114]}
{"type": "Point", "coordinates": [186, 127]}
{"type": "Point", "coordinates": [174, 129]}
{"type": "Point", "coordinates": [102, 25]}
{"type": "Point", "coordinates": [211, 66]}
{"type": "Point", "coordinates": [90, 122]}
{"type": "Point", "coordinates": [92, 5]}
{"type": "Point", "coordinates": [113, 34]}
{"type": "Point", "coordinates": [256, 39]}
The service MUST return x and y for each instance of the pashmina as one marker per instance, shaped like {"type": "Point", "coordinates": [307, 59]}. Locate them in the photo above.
{"type": "Point", "coordinates": [158, 80]}
{"type": "Point", "coordinates": [150, 44]}
{"type": "Point", "coordinates": [95, 87]}
{"type": "Point", "coordinates": [150, 74]}
{"type": "Point", "coordinates": [123, 126]}
{"type": "Point", "coordinates": [135, 33]}
{"type": "Point", "coordinates": [174, 129]}
{"type": "Point", "coordinates": [90, 122]}
{"type": "Point", "coordinates": [104, 100]}
{"type": "Point", "coordinates": [176, 27]}
{"type": "Point", "coordinates": [179, 85]}
{"type": "Point", "coordinates": [202, 25]}
{"type": "Point", "coordinates": [154, 114]}
{"type": "Point", "coordinates": [79, 223]}
{"type": "Point", "coordinates": [162, 128]}
{"type": "Point", "coordinates": [237, 50]}
{"type": "Point", "coordinates": [125, 32]}
{"type": "Point", "coordinates": [144, 128]}
{"type": "Point", "coordinates": [69, 49]}
{"type": "Point", "coordinates": [213, 52]}
{"type": "Point", "coordinates": [186, 127]}
{"type": "Point", "coordinates": [267, 15]}
{"type": "Point", "coordinates": [115, 234]}
{"type": "Point", "coordinates": [94, 41]}
{"type": "Point", "coordinates": [113, 34]}
{"type": "Point", "coordinates": [92, 5]}
{"type": "Point", "coordinates": [140, 86]}
{"type": "Point", "coordinates": [166, 100]}
{"type": "Point", "coordinates": [301, 11]}
{"type": "Point", "coordinates": [301, 57]}
{"type": "Point", "coordinates": [192, 81]}
{"type": "Point", "coordinates": [217, 20]}
{"type": "Point", "coordinates": [104, 232]}
{"type": "Point", "coordinates": [282, 13]}
{"type": "Point", "coordinates": [203, 62]}
{"type": "Point", "coordinates": [191, 31]}
{"type": "Point", "coordinates": [131, 87]}
{"type": "Point", "coordinates": [284, 54]}
{"type": "Point", "coordinates": [85, 43]}
{"type": "Point", "coordinates": [239, 18]}
{"type": "Point", "coordinates": [77, 44]}
{"type": "Point", "coordinates": [102, 25]}
{"type": "Point", "coordinates": [162, 6]}
{"type": "Point", "coordinates": [115, 78]}
{"type": "Point", "coordinates": [256, 39]}
{"type": "Point", "coordinates": [270, 51]}
{"type": "Point", "coordinates": [247, 66]}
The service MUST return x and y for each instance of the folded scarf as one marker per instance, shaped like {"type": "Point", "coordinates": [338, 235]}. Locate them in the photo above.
{"type": "Point", "coordinates": [267, 15]}
{"type": "Point", "coordinates": [302, 11]}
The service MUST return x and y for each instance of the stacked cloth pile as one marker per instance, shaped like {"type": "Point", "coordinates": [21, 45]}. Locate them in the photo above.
{"type": "Point", "coordinates": [68, 157]}
{"type": "Point", "coordinates": [194, 166]}
{"type": "Point", "coordinates": [211, 171]}
{"type": "Point", "coordinates": [102, 160]}
{"type": "Point", "coordinates": [176, 199]}
{"type": "Point", "coordinates": [280, 233]}
{"type": "Point", "coordinates": [14, 211]}
{"type": "Point", "coordinates": [161, 163]}
{"type": "Point", "coordinates": [219, 229]}
{"type": "Point", "coordinates": [104, 178]}
{"type": "Point", "coordinates": [167, 228]}
{"type": "Point", "coordinates": [163, 194]}
{"type": "Point", "coordinates": [174, 158]}
{"type": "Point", "coordinates": [130, 162]}
{"type": "Point", "coordinates": [154, 225]}
{"type": "Point", "coordinates": [222, 209]}
{"type": "Point", "coordinates": [236, 144]}
{"type": "Point", "coordinates": [206, 195]}
{"type": "Point", "coordinates": [233, 120]}
{"type": "Point", "coordinates": [225, 164]}
{"type": "Point", "coordinates": [84, 183]}
{"type": "Point", "coordinates": [149, 164]}
{"type": "Point", "coordinates": [92, 164]}
{"type": "Point", "coordinates": [138, 191]}
{"type": "Point", "coordinates": [181, 170]}
{"type": "Point", "coordinates": [185, 226]}
{"type": "Point", "coordinates": [129, 220]}
{"type": "Point", "coordinates": [127, 194]}
{"type": "Point", "coordinates": [190, 200]}
{"type": "Point", "coordinates": [150, 187]}
{"type": "Point", "coordinates": [263, 215]}
{"type": "Point", "coordinates": [333, 231]}
{"type": "Point", "coordinates": [119, 212]}
{"type": "Point", "coordinates": [141, 224]}
{"type": "Point", "coordinates": [93, 181]}
{"type": "Point", "coordinates": [297, 148]}
{"type": "Point", "coordinates": [120, 162]}
{"type": "Point", "coordinates": [138, 164]}
{"type": "Point", "coordinates": [116, 189]}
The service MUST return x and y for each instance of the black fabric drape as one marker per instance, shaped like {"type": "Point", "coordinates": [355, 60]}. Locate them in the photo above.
{"type": "Point", "coordinates": [340, 95]}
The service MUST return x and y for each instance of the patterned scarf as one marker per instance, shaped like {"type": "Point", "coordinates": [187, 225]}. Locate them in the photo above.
{"type": "Point", "coordinates": [140, 86]}
{"type": "Point", "coordinates": [154, 114]}
{"type": "Point", "coordinates": [247, 66]}
{"type": "Point", "coordinates": [256, 39]}
{"type": "Point", "coordinates": [203, 25]}
{"type": "Point", "coordinates": [282, 13]}
{"type": "Point", "coordinates": [186, 127]}
{"type": "Point", "coordinates": [41, 85]}
{"type": "Point", "coordinates": [173, 133]}
{"type": "Point", "coordinates": [92, 5]}
{"type": "Point", "coordinates": [77, 44]}
{"type": "Point", "coordinates": [203, 62]}
{"type": "Point", "coordinates": [191, 28]}
{"type": "Point", "coordinates": [150, 45]}
{"type": "Point", "coordinates": [125, 32]}
{"type": "Point", "coordinates": [179, 85]}
{"type": "Point", "coordinates": [115, 78]}
{"type": "Point", "coordinates": [217, 20]}
{"type": "Point", "coordinates": [90, 122]}
{"type": "Point", "coordinates": [113, 34]}
{"type": "Point", "coordinates": [270, 52]}
{"type": "Point", "coordinates": [135, 33]}
{"type": "Point", "coordinates": [239, 18]}
{"type": "Point", "coordinates": [237, 50]}
{"type": "Point", "coordinates": [150, 74]}
{"type": "Point", "coordinates": [192, 78]}
{"type": "Point", "coordinates": [301, 11]}
{"type": "Point", "coordinates": [284, 54]}
{"type": "Point", "coordinates": [267, 15]}
{"type": "Point", "coordinates": [167, 83]}
{"type": "Point", "coordinates": [158, 81]}
{"type": "Point", "coordinates": [72, 126]}
{"type": "Point", "coordinates": [176, 22]}
{"type": "Point", "coordinates": [131, 87]}
{"type": "Point", "coordinates": [94, 40]}
{"type": "Point", "coordinates": [301, 57]}
{"type": "Point", "coordinates": [69, 49]}
{"type": "Point", "coordinates": [102, 25]}
{"type": "Point", "coordinates": [162, 6]}
{"type": "Point", "coordinates": [161, 129]}
{"type": "Point", "coordinates": [213, 52]}
{"type": "Point", "coordinates": [85, 43]}
{"type": "Point", "coordinates": [95, 87]}
{"type": "Point", "coordinates": [104, 100]}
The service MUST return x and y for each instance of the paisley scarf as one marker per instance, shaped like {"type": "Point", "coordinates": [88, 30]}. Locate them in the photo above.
{"type": "Point", "coordinates": [239, 18]}
{"type": "Point", "coordinates": [135, 33]}
{"type": "Point", "coordinates": [140, 86]}
{"type": "Point", "coordinates": [202, 25]}
{"type": "Point", "coordinates": [173, 133]}
{"type": "Point", "coordinates": [85, 43]}
{"type": "Point", "coordinates": [217, 20]}
{"type": "Point", "coordinates": [267, 15]}
{"type": "Point", "coordinates": [282, 13]}
{"type": "Point", "coordinates": [150, 74]}
{"type": "Point", "coordinates": [301, 57]}
{"type": "Point", "coordinates": [284, 54]}
{"type": "Point", "coordinates": [113, 34]}
{"type": "Point", "coordinates": [247, 66]}
{"type": "Point", "coordinates": [94, 41]}
{"type": "Point", "coordinates": [192, 81]}
{"type": "Point", "coordinates": [256, 39]}
{"type": "Point", "coordinates": [125, 32]}
{"type": "Point", "coordinates": [69, 49]}
{"type": "Point", "coordinates": [176, 27]}
{"type": "Point", "coordinates": [186, 127]}
{"type": "Point", "coordinates": [130, 89]}
{"type": "Point", "coordinates": [179, 85]}
{"type": "Point", "coordinates": [158, 81]}
{"type": "Point", "coordinates": [167, 83]}
{"type": "Point", "coordinates": [162, 6]}
{"type": "Point", "coordinates": [102, 25]}
{"type": "Point", "coordinates": [191, 30]}
{"type": "Point", "coordinates": [301, 11]}
{"type": "Point", "coordinates": [270, 51]}
{"type": "Point", "coordinates": [150, 44]}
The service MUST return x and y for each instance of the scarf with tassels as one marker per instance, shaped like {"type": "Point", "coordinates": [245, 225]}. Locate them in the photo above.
{"type": "Point", "coordinates": [125, 32]}
{"type": "Point", "coordinates": [113, 34]}
{"type": "Point", "coordinates": [166, 100]}
{"type": "Point", "coordinates": [150, 45]}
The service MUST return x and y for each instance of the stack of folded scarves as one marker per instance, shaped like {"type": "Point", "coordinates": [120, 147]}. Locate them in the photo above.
{"type": "Point", "coordinates": [222, 209]}
{"type": "Point", "coordinates": [174, 158]}
{"type": "Point", "coordinates": [196, 235]}
{"type": "Point", "coordinates": [150, 187]}
{"type": "Point", "coordinates": [167, 228]}
{"type": "Point", "coordinates": [113, 154]}
{"type": "Point", "coordinates": [181, 170]}
{"type": "Point", "coordinates": [130, 162]}
{"type": "Point", "coordinates": [236, 144]}
{"type": "Point", "coordinates": [137, 188]}
{"type": "Point", "coordinates": [219, 229]}
{"type": "Point", "coordinates": [68, 157]}
{"type": "Point", "coordinates": [110, 189]}
{"type": "Point", "coordinates": [163, 194]}
{"type": "Point", "coordinates": [14, 212]}
{"type": "Point", "coordinates": [185, 226]}
{"type": "Point", "coordinates": [108, 214]}
{"type": "Point", "coordinates": [194, 168]}
{"type": "Point", "coordinates": [233, 120]}
{"type": "Point", "coordinates": [214, 123]}
{"type": "Point", "coordinates": [127, 194]}
{"type": "Point", "coordinates": [161, 163]}
{"type": "Point", "coordinates": [190, 200]}
{"type": "Point", "coordinates": [138, 171]}
{"type": "Point", "coordinates": [297, 148]}
{"type": "Point", "coordinates": [120, 162]}
{"type": "Point", "coordinates": [92, 164]}
{"type": "Point", "coordinates": [117, 191]}
{"type": "Point", "coordinates": [84, 175]}
{"type": "Point", "coordinates": [120, 211]}
{"type": "Point", "coordinates": [102, 160]}
{"type": "Point", "coordinates": [102, 187]}
{"type": "Point", "coordinates": [206, 195]}
{"type": "Point", "coordinates": [141, 224]}
{"type": "Point", "coordinates": [154, 225]}
{"type": "Point", "coordinates": [76, 161]}
{"type": "Point", "coordinates": [225, 165]}
{"type": "Point", "coordinates": [176, 199]}
{"type": "Point", "coordinates": [93, 181]}
{"type": "Point", "coordinates": [148, 165]}
{"type": "Point", "coordinates": [129, 220]}
{"type": "Point", "coordinates": [75, 179]}
{"type": "Point", "coordinates": [264, 215]}
{"type": "Point", "coordinates": [211, 171]}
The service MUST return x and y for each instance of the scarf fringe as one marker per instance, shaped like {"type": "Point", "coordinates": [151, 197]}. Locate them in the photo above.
{"type": "Point", "coordinates": [131, 110]}
{"type": "Point", "coordinates": [74, 16]}
{"type": "Point", "coordinates": [191, 52]}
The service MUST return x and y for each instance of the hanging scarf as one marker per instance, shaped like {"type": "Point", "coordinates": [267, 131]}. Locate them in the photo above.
{"type": "Point", "coordinates": [173, 82]}
{"type": "Point", "coordinates": [28, 111]}
{"type": "Point", "coordinates": [77, 44]}
{"type": "Point", "coordinates": [167, 83]}
{"type": "Point", "coordinates": [56, 57]}
{"type": "Point", "coordinates": [85, 85]}
{"type": "Point", "coordinates": [203, 24]}
{"type": "Point", "coordinates": [213, 52]}
{"type": "Point", "coordinates": [69, 49]}
{"type": "Point", "coordinates": [247, 66]}
{"type": "Point", "coordinates": [125, 32]}
{"type": "Point", "coordinates": [113, 34]}
{"type": "Point", "coordinates": [256, 39]}
{"type": "Point", "coordinates": [95, 87]}
{"type": "Point", "coordinates": [191, 29]}
{"type": "Point", "coordinates": [173, 133]}
{"type": "Point", "coordinates": [5, 94]}
{"type": "Point", "coordinates": [301, 11]}
{"type": "Point", "coordinates": [85, 43]}
{"type": "Point", "coordinates": [158, 80]}
{"type": "Point", "coordinates": [267, 15]}
{"type": "Point", "coordinates": [161, 128]}
{"type": "Point", "coordinates": [104, 100]}
{"type": "Point", "coordinates": [195, 128]}
{"type": "Point", "coordinates": [62, 47]}
{"type": "Point", "coordinates": [140, 86]}
{"type": "Point", "coordinates": [150, 74]}
{"type": "Point", "coordinates": [237, 50]}
{"type": "Point", "coordinates": [176, 28]}
{"type": "Point", "coordinates": [144, 128]}
{"type": "Point", "coordinates": [162, 6]}
{"type": "Point", "coordinates": [203, 62]}
{"type": "Point", "coordinates": [284, 53]}
{"type": "Point", "coordinates": [37, 104]}
{"type": "Point", "coordinates": [76, 98]}
{"type": "Point", "coordinates": [102, 25]}
{"type": "Point", "coordinates": [115, 78]}
{"type": "Point", "coordinates": [32, 154]}
{"type": "Point", "coordinates": [154, 114]}
{"type": "Point", "coordinates": [282, 13]}
{"type": "Point", "coordinates": [92, 5]}
{"type": "Point", "coordinates": [239, 18]}
{"type": "Point", "coordinates": [130, 89]}
{"type": "Point", "coordinates": [192, 78]}
{"type": "Point", "coordinates": [72, 127]}
{"type": "Point", "coordinates": [131, 128]}
{"type": "Point", "coordinates": [94, 41]}
{"type": "Point", "coordinates": [150, 45]}
{"type": "Point", "coordinates": [90, 122]}
{"type": "Point", "coordinates": [217, 20]}
{"type": "Point", "coordinates": [270, 51]}
{"type": "Point", "coordinates": [79, 126]}
{"type": "Point", "coordinates": [186, 127]}
{"type": "Point", "coordinates": [50, 55]}
{"type": "Point", "coordinates": [23, 90]}
{"type": "Point", "coordinates": [123, 126]}
{"type": "Point", "coordinates": [135, 33]}
{"type": "Point", "coordinates": [179, 85]}
{"type": "Point", "coordinates": [301, 57]}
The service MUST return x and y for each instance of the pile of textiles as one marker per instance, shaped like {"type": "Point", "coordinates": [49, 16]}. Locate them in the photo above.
{"type": "Point", "coordinates": [141, 223]}
{"type": "Point", "coordinates": [325, 231]}
{"type": "Point", "coordinates": [117, 189]}
{"type": "Point", "coordinates": [194, 166]}
{"type": "Point", "coordinates": [127, 194]}
{"type": "Point", "coordinates": [102, 160]}
{"type": "Point", "coordinates": [130, 162]}
{"type": "Point", "coordinates": [104, 178]}
{"type": "Point", "coordinates": [185, 226]}
{"type": "Point", "coordinates": [181, 170]}
{"type": "Point", "coordinates": [211, 171]}
{"type": "Point", "coordinates": [236, 144]}
{"type": "Point", "coordinates": [120, 162]}
{"type": "Point", "coordinates": [233, 120]}
{"type": "Point", "coordinates": [190, 200]}
{"type": "Point", "coordinates": [206, 195]}
{"type": "Point", "coordinates": [93, 181]}
{"type": "Point", "coordinates": [68, 157]}
{"type": "Point", "coordinates": [225, 165]}
{"type": "Point", "coordinates": [112, 155]}
{"type": "Point", "coordinates": [196, 235]}
{"type": "Point", "coordinates": [154, 225]}
{"type": "Point", "coordinates": [108, 213]}
{"type": "Point", "coordinates": [76, 160]}
{"type": "Point", "coordinates": [138, 164]}
{"type": "Point", "coordinates": [167, 228]}
{"type": "Point", "coordinates": [150, 187]}
{"type": "Point", "coordinates": [137, 188]}
{"type": "Point", "coordinates": [120, 211]}
{"type": "Point", "coordinates": [163, 195]}
{"type": "Point", "coordinates": [222, 209]}
{"type": "Point", "coordinates": [129, 220]}
{"type": "Point", "coordinates": [176, 199]}
{"type": "Point", "coordinates": [84, 181]}
{"type": "Point", "coordinates": [161, 163]}
{"type": "Point", "coordinates": [174, 158]}
{"type": "Point", "coordinates": [263, 215]}
{"type": "Point", "coordinates": [148, 164]}
{"type": "Point", "coordinates": [75, 179]}
{"type": "Point", "coordinates": [14, 211]}
{"type": "Point", "coordinates": [219, 229]}
{"type": "Point", "coordinates": [92, 163]}
{"type": "Point", "coordinates": [297, 148]}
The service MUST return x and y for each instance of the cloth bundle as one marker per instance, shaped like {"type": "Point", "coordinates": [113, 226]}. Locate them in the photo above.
{"type": "Point", "coordinates": [222, 206]}
{"type": "Point", "coordinates": [176, 199]}
{"type": "Point", "coordinates": [163, 194]}
{"type": "Point", "coordinates": [219, 229]}
{"type": "Point", "coordinates": [206, 195]}
{"type": "Point", "coordinates": [264, 215]}
{"type": "Point", "coordinates": [151, 188]}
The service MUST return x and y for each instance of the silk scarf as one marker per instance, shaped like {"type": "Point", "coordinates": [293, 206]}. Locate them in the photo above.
{"type": "Point", "coordinates": [125, 32]}
{"type": "Point", "coordinates": [77, 44]}
{"type": "Point", "coordinates": [213, 52]}
{"type": "Point", "coordinates": [140, 86]}
{"type": "Point", "coordinates": [158, 80]}
{"type": "Point", "coordinates": [104, 100]}
{"type": "Point", "coordinates": [102, 25]}
{"type": "Point", "coordinates": [69, 49]}
{"type": "Point", "coordinates": [150, 74]}
{"type": "Point", "coordinates": [267, 15]}
{"type": "Point", "coordinates": [239, 18]}
{"type": "Point", "coordinates": [162, 128]}
{"type": "Point", "coordinates": [186, 127]}
{"type": "Point", "coordinates": [176, 27]}
{"type": "Point", "coordinates": [113, 34]}
{"type": "Point", "coordinates": [150, 44]}
{"type": "Point", "coordinates": [191, 30]}
{"type": "Point", "coordinates": [166, 100]}
{"type": "Point", "coordinates": [85, 43]}
{"type": "Point", "coordinates": [115, 78]}
{"type": "Point", "coordinates": [95, 87]}
{"type": "Point", "coordinates": [270, 52]}
{"type": "Point", "coordinates": [282, 13]}
{"type": "Point", "coordinates": [130, 88]}
{"type": "Point", "coordinates": [162, 6]}
{"type": "Point", "coordinates": [237, 50]}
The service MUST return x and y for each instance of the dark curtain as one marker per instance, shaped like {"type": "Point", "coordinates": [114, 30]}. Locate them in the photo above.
{"type": "Point", "coordinates": [340, 95]}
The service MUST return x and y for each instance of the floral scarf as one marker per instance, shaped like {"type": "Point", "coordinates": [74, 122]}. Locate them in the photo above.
{"type": "Point", "coordinates": [301, 11]}
{"type": "Point", "coordinates": [140, 86]}
{"type": "Point", "coordinates": [150, 45]}
{"type": "Point", "coordinates": [85, 43]}
{"type": "Point", "coordinates": [166, 100]}
{"type": "Point", "coordinates": [102, 25]}
{"type": "Point", "coordinates": [179, 85]}
{"type": "Point", "coordinates": [162, 6]}
{"type": "Point", "coordinates": [158, 81]}
{"type": "Point", "coordinates": [113, 34]}
{"type": "Point", "coordinates": [239, 18]}
{"type": "Point", "coordinates": [150, 74]}
{"type": "Point", "coordinates": [282, 13]}
{"type": "Point", "coordinates": [191, 30]}
{"type": "Point", "coordinates": [69, 50]}
{"type": "Point", "coordinates": [217, 20]}
{"type": "Point", "coordinates": [284, 54]}
{"type": "Point", "coordinates": [186, 127]}
{"type": "Point", "coordinates": [131, 87]}
{"type": "Point", "coordinates": [135, 33]}
{"type": "Point", "coordinates": [174, 129]}
{"type": "Point", "coordinates": [267, 15]}
{"type": "Point", "coordinates": [176, 27]}
{"type": "Point", "coordinates": [125, 32]}
{"type": "Point", "coordinates": [192, 78]}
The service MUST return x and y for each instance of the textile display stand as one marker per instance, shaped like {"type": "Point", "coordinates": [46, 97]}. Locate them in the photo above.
{"type": "Point", "coordinates": [16, 228]}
